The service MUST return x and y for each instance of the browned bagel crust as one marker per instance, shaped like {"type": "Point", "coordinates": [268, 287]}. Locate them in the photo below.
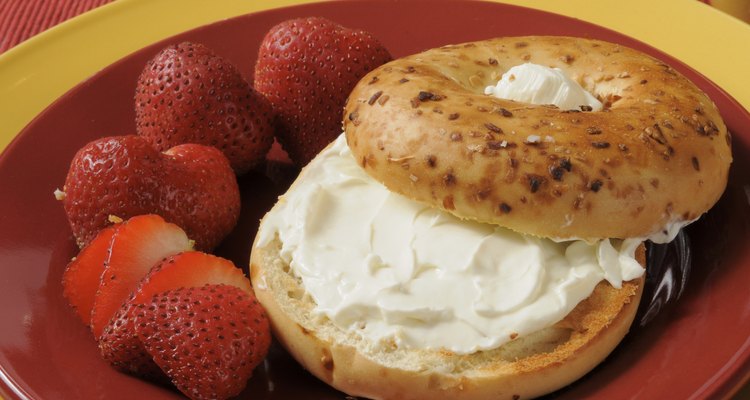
{"type": "Point", "coordinates": [659, 152]}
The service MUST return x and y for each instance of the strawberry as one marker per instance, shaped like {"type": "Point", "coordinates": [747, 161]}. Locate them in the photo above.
{"type": "Point", "coordinates": [120, 346]}
{"type": "Point", "coordinates": [190, 269]}
{"type": "Point", "coordinates": [189, 185]}
{"type": "Point", "coordinates": [188, 94]}
{"type": "Point", "coordinates": [119, 343]}
{"type": "Point", "coordinates": [306, 68]}
{"type": "Point", "coordinates": [207, 340]}
{"type": "Point", "coordinates": [81, 277]}
{"type": "Point", "coordinates": [137, 245]}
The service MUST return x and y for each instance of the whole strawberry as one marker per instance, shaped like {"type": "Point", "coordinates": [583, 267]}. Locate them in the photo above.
{"type": "Point", "coordinates": [188, 94]}
{"type": "Point", "coordinates": [190, 185]}
{"type": "Point", "coordinates": [207, 339]}
{"type": "Point", "coordinates": [306, 68]}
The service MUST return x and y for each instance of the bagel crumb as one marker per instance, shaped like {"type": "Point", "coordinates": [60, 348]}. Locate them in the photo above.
{"type": "Point", "coordinates": [448, 203]}
{"type": "Point", "coordinates": [656, 134]}
{"type": "Point", "coordinates": [429, 96]}
{"type": "Point", "coordinates": [532, 140]}
{"type": "Point", "coordinates": [696, 164]}
{"type": "Point", "coordinates": [492, 127]}
{"type": "Point", "coordinates": [600, 145]}
{"type": "Point", "coordinates": [497, 145]}
{"type": "Point", "coordinates": [505, 208]}
{"type": "Point", "coordinates": [449, 179]}
{"type": "Point", "coordinates": [400, 159]}
{"type": "Point", "coordinates": [374, 97]}
{"type": "Point", "coordinates": [482, 194]}
{"type": "Point", "coordinates": [535, 181]}
{"type": "Point", "coordinates": [567, 59]}
{"type": "Point", "coordinates": [557, 173]}
{"type": "Point", "coordinates": [592, 130]}
{"type": "Point", "coordinates": [596, 185]}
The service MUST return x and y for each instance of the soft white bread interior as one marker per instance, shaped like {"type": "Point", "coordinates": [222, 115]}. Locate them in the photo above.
{"type": "Point", "coordinates": [528, 366]}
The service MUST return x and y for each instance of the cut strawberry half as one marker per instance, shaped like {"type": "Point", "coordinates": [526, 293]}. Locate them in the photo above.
{"type": "Point", "coordinates": [207, 339]}
{"type": "Point", "coordinates": [137, 246]}
{"type": "Point", "coordinates": [190, 269]}
{"type": "Point", "coordinates": [83, 274]}
{"type": "Point", "coordinates": [119, 344]}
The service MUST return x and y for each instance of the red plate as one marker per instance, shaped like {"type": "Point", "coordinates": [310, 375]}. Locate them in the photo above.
{"type": "Point", "coordinates": [698, 348]}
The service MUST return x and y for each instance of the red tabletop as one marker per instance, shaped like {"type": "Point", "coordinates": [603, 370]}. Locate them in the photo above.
{"type": "Point", "coordinates": [22, 19]}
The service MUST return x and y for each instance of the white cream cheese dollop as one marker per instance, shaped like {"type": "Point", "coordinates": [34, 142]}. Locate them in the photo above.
{"type": "Point", "coordinates": [537, 84]}
{"type": "Point", "coordinates": [392, 269]}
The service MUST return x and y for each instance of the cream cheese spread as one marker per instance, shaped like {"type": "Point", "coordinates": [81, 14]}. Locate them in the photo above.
{"type": "Point", "coordinates": [395, 270]}
{"type": "Point", "coordinates": [537, 84]}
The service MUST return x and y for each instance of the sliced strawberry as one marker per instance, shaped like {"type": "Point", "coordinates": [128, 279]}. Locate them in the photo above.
{"type": "Point", "coordinates": [207, 340]}
{"type": "Point", "coordinates": [120, 346]}
{"type": "Point", "coordinates": [83, 273]}
{"type": "Point", "coordinates": [137, 246]}
{"type": "Point", "coordinates": [119, 343]}
{"type": "Point", "coordinates": [190, 269]}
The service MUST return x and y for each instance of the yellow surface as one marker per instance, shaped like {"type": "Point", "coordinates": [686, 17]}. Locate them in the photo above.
{"type": "Point", "coordinates": [35, 73]}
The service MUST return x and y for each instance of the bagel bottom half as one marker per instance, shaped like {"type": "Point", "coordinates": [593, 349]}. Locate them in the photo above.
{"type": "Point", "coordinates": [528, 366]}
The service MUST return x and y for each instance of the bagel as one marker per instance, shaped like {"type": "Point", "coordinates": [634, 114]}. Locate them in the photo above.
{"type": "Point", "coordinates": [318, 294]}
{"type": "Point", "coordinates": [657, 156]}
{"type": "Point", "coordinates": [529, 366]}
{"type": "Point", "coordinates": [440, 249]}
